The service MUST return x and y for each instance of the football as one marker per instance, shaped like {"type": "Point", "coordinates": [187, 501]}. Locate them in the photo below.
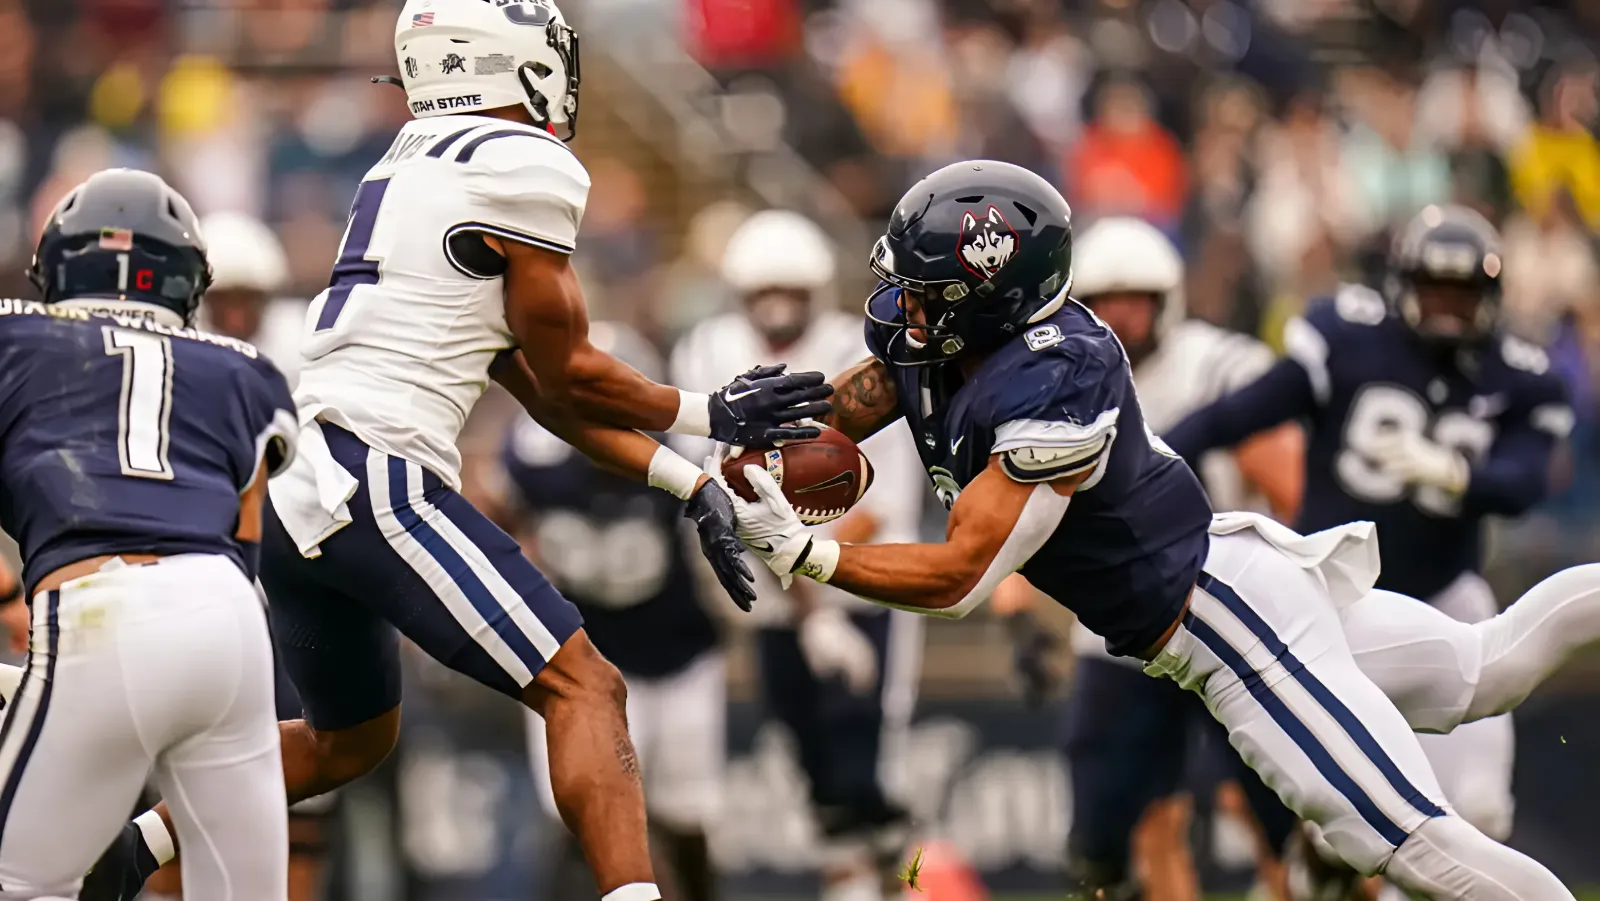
{"type": "Point", "coordinates": [823, 478]}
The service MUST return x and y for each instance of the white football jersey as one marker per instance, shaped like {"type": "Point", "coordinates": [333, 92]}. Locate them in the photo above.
{"type": "Point", "coordinates": [718, 349]}
{"type": "Point", "coordinates": [397, 349]}
{"type": "Point", "coordinates": [1195, 364]}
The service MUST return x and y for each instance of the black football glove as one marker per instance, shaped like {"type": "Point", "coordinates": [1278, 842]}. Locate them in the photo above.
{"type": "Point", "coordinates": [751, 411]}
{"type": "Point", "coordinates": [120, 873]}
{"type": "Point", "coordinates": [1030, 651]}
{"type": "Point", "coordinates": [712, 514]}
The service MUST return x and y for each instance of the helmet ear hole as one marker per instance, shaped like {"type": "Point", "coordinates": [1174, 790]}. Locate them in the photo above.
{"type": "Point", "coordinates": [541, 70]}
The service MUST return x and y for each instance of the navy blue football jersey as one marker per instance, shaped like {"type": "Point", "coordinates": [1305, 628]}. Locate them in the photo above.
{"type": "Point", "coordinates": [1353, 370]}
{"type": "Point", "coordinates": [122, 436]}
{"type": "Point", "coordinates": [613, 547]}
{"type": "Point", "coordinates": [1135, 535]}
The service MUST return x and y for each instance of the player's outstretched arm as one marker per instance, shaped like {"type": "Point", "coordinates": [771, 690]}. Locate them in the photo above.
{"type": "Point", "coordinates": [1282, 393]}
{"type": "Point", "coordinates": [864, 400]}
{"type": "Point", "coordinates": [547, 315]}
{"type": "Point", "coordinates": [998, 523]}
{"type": "Point", "coordinates": [638, 456]}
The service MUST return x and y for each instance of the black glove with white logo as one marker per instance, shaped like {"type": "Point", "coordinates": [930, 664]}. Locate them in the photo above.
{"type": "Point", "coordinates": [712, 514]}
{"type": "Point", "coordinates": [753, 409]}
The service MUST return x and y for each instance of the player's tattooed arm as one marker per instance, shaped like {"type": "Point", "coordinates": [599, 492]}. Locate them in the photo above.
{"type": "Point", "coordinates": [864, 400]}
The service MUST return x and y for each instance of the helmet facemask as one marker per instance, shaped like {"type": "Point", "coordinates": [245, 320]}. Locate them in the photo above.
{"type": "Point", "coordinates": [958, 320]}
{"type": "Point", "coordinates": [542, 81]}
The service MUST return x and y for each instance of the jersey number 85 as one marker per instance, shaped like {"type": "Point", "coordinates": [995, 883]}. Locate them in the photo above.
{"type": "Point", "coordinates": [1379, 408]}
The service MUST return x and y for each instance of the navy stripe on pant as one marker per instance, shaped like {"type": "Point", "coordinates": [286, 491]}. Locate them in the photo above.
{"type": "Point", "coordinates": [36, 715]}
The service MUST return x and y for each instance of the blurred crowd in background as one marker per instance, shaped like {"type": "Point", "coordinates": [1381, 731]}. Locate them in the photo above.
{"type": "Point", "coordinates": [1275, 141]}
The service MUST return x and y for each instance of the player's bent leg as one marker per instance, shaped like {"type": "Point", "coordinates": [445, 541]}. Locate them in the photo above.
{"type": "Point", "coordinates": [1474, 765]}
{"type": "Point", "coordinates": [1440, 672]}
{"type": "Point", "coordinates": [594, 772]}
{"type": "Point", "coordinates": [678, 726]}
{"type": "Point", "coordinates": [1262, 643]}
{"type": "Point", "coordinates": [71, 763]}
{"type": "Point", "coordinates": [225, 785]}
{"type": "Point", "coordinates": [1474, 762]}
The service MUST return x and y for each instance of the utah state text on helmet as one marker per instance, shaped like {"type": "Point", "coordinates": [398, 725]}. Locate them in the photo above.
{"type": "Point", "coordinates": [464, 56]}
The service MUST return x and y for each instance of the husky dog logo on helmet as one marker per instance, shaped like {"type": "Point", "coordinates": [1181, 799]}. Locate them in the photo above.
{"type": "Point", "coordinates": [987, 243]}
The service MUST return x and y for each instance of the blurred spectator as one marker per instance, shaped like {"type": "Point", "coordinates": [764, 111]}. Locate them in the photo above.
{"type": "Point", "coordinates": [1386, 156]}
{"type": "Point", "coordinates": [1127, 164]}
{"type": "Point", "coordinates": [895, 79]}
{"type": "Point", "coordinates": [1302, 205]}
{"type": "Point", "coordinates": [1559, 150]}
{"type": "Point", "coordinates": [1550, 269]}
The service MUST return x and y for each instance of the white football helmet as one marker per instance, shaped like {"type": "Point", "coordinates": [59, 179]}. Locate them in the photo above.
{"type": "Point", "coordinates": [462, 56]}
{"type": "Point", "coordinates": [778, 249]}
{"type": "Point", "coordinates": [1121, 253]}
{"type": "Point", "coordinates": [244, 253]}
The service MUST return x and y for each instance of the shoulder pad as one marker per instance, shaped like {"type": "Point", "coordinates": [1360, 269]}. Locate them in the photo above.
{"type": "Point", "coordinates": [530, 185]}
{"type": "Point", "coordinates": [1037, 451]}
{"type": "Point", "coordinates": [1360, 305]}
{"type": "Point", "coordinates": [1524, 355]}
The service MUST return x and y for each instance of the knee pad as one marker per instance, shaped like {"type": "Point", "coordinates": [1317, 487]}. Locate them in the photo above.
{"type": "Point", "coordinates": [1448, 859]}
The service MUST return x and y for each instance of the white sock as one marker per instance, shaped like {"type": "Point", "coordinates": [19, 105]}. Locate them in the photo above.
{"type": "Point", "coordinates": [156, 836]}
{"type": "Point", "coordinates": [634, 891]}
{"type": "Point", "coordinates": [1532, 639]}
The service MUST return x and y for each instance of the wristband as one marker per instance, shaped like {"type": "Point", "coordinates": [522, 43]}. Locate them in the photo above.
{"type": "Point", "coordinates": [673, 474]}
{"type": "Point", "coordinates": [818, 561]}
{"type": "Point", "coordinates": [634, 891]}
{"type": "Point", "coordinates": [694, 415]}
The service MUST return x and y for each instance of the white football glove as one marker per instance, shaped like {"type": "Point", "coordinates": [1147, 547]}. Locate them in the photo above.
{"type": "Point", "coordinates": [1407, 455]}
{"type": "Point", "coordinates": [769, 527]}
{"type": "Point", "coordinates": [833, 646]}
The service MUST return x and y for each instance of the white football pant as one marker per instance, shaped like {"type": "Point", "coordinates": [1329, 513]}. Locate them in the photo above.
{"type": "Point", "coordinates": [164, 668]}
{"type": "Point", "coordinates": [678, 724]}
{"type": "Point", "coordinates": [1474, 762]}
{"type": "Point", "coordinates": [1263, 645]}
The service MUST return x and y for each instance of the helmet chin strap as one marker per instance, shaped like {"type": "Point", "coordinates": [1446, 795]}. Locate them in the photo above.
{"type": "Point", "coordinates": [151, 311]}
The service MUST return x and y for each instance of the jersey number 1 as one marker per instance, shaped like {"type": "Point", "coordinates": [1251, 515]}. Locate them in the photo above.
{"type": "Point", "coordinates": [142, 435]}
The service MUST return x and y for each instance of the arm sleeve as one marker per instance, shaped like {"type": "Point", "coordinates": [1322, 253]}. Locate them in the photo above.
{"type": "Point", "coordinates": [268, 416]}
{"type": "Point", "coordinates": [528, 187]}
{"type": "Point", "coordinates": [1516, 473]}
{"type": "Point", "coordinates": [1283, 393]}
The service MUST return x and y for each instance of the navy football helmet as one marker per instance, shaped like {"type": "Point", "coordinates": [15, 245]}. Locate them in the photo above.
{"type": "Point", "coordinates": [123, 235]}
{"type": "Point", "coordinates": [1443, 275]}
{"type": "Point", "coordinates": [984, 249]}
